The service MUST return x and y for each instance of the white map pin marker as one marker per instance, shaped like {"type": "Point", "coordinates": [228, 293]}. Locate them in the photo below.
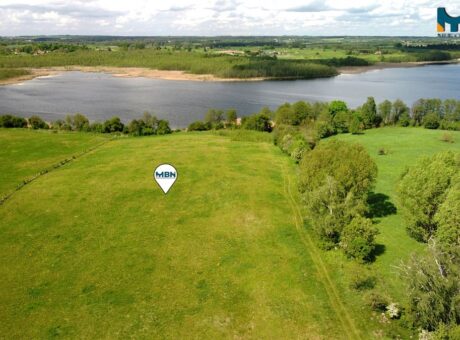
{"type": "Point", "coordinates": [165, 175]}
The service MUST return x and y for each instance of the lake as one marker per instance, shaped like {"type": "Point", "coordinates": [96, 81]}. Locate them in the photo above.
{"type": "Point", "coordinates": [100, 96]}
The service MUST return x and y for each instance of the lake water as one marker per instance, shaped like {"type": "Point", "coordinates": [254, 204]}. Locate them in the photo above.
{"type": "Point", "coordinates": [100, 96]}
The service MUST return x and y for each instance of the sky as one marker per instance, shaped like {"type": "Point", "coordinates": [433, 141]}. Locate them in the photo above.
{"type": "Point", "coordinates": [222, 17]}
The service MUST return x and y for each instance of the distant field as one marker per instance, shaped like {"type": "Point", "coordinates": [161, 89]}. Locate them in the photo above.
{"type": "Point", "coordinates": [290, 63]}
{"type": "Point", "coordinates": [321, 53]}
{"type": "Point", "coordinates": [24, 153]}
{"type": "Point", "coordinates": [95, 250]}
{"type": "Point", "coordinates": [282, 57]}
{"type": "Point", "coordinates": [223, 66]}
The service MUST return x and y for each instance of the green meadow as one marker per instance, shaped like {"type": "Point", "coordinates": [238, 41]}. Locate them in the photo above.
{"type": "Point", "coordinates": [94, 249]}
{"type": "Point", "coordinates": [25, 153]}
{"type": "Point", "coordinates": [402, 148]}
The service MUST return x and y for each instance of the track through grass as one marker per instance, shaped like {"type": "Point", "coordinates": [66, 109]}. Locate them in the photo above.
{"type": "Point", "coordinates": [25, 153]}
{"type": "Point", "coordinates": [343, 315]}
{"type": "Point", "coordinates": [51, 168]}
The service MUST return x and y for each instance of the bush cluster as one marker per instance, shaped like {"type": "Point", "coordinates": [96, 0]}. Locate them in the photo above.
{"type": "Point", "coordinates": [335, 180]}
{"type": "Point", "coordinates": [218, 119]}
{"type": "Point", "coordinates": [430, 195]}
{"type": "Point", "coordinates": [9, 121]}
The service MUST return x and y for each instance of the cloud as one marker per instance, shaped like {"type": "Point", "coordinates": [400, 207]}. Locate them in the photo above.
{"type": "Point", "coordinates": [219, 17]}
{"type": "Point", "coordinates": [362, 9]}
{"type": "Point", "coordinates": [77, 9]}
{"type": "Point", "coordinates": [314, 6]}
{"type": "Point", "coordinates": [179, 8]}
{"type": "Point", "coordinates": [225, 5]}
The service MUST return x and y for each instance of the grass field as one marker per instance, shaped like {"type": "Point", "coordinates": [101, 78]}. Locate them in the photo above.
{"type": "Point", "coordinates": [25, 153]}
{"type": "Point", "coordinates": [95, 250]}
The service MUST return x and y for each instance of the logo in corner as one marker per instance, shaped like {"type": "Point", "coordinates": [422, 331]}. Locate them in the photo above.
{"type": "Point", "coordinates": [443, 19]}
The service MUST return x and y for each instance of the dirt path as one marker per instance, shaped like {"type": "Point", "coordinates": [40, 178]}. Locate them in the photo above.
{"type": "Point", "coordinates": [334, 298]}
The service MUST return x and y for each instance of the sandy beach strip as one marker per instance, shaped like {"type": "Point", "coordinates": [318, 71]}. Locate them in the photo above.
{"type": "Point", "coordinates": [132, 72]}
{"type": "Point", "coordinates": [125, 72]}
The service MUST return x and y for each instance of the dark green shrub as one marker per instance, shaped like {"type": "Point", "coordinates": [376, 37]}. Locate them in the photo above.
{"type": "Point", "coordinates": [342, 121]}
{"type": "Point", "coordinates": [369, 114]}
{"type": "Point", "coordinates": [356, 125]}
{"type": "Point", "coordinates": [324, 125]}
{"type": "Point", "coordinates": [136, 127]}
{"type": "Point", "coordinates": [36, 122]}
{"type": "Point", "coordinates": [347, 61]}
{"type": "Point", "coordinates": [404, 119]}
{"type": "Point", "coordinates": [382, 151]}
{"type": "Point", "coordinates": [376, 302]}
{"type": "Point", "coordinates": [9, 121]}
{"type": "Point", "coordinates": [337, 106]}
{"type": "Point", "coordinates": [113, 124]}
{"type": "Point", "coordinates": [362, 281]}
{"type": "Point", "coordinates": [258, 122]}
{"type": "Point", "coordinates": [358, 239]}
{"type": "Point", "coordinates": [199, 126]}
{"type": "Point", "coordinates": [77, 122]}
{"type": "Point", "coordinates": [434, 56]}
{"type": "Point", "coordinates": [431, 121]}
{"type": "Point", "coordinates": [163, 127]}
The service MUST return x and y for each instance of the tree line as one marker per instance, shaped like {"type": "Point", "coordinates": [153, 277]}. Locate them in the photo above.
{"type": "Point", "coordinates": [298, 127]}
{"type": "Point", "coordinates": [147, 125]}
{"type": "Point", "coordinates": [216, 119]}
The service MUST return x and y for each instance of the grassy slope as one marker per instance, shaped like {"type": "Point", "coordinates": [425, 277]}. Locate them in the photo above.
{"type": "Point", "coordinates": [103, 253]}
{"type": "Point", "coordinates": [24, 153]}
{"type": "Point", "coordinates": [405, 146]}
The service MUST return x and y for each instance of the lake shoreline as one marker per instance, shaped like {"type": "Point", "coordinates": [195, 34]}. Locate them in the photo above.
{"type": "Point", "coordinates": [383, 65]}
{"type": "Point", "coordinates": [136, 72]}
{"type": "Point", "coordinates": [124, 72]}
